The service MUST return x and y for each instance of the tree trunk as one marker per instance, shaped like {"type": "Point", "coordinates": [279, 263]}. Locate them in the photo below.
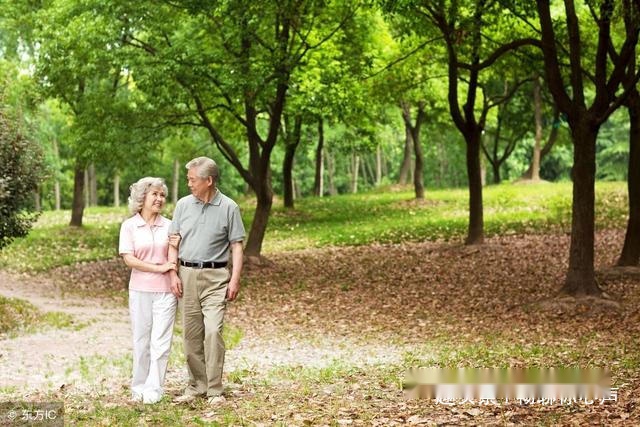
{"type": "Point", "coordinates": [319, 171]}
{"type": "Point", "coordinates": [331, 170]}
{"type": "Point", "coordinates": [495, 167]}
{"type": "Point", "coordinates": [551, 140]}
{"type": "Point", "coordinates": [264, 196]}
{"type": "Point", "coordinates": [378, 165]}
{"type": "Point", "coordinates": [93, 185]}
{"type": "Point", "coordinates": [287, 172]}
{"type": "Point", "coordinates": [176, 181]}
{"type": "Point", "coordinates": [355, 163]}
{"type": "Point", "coordinates": [292, 139]}
{"type": "Point", "coordinates": [406, 158]}
{"type": "Point", "coordinates": [418, 181]}
{"type": "Point", "coordinates": [580, 277]}
{"type": "Point", "coordinates": [116, 189]}
{"type": "Point", "coordinates": [56, 188]}
{"type": "Point", "coordinates": [414, 130]}
{"type": "Point", "coordinates": [85, 192]}
{"type": "Point", "coordinates": [630, 255]}
{"type": "Point", "coordinates": [37, 205]}
{"type": "Point", "coordinates": [537, 103]}
{"type": "Point", "coordinates": [77, 207]}
{"type": "Point", "coordinates": [474, 175]}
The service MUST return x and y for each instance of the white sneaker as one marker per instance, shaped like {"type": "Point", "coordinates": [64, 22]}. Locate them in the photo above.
{"type": "Point", "coordinates": [151, 397]}
{"type": "Point", "coordinates": [136, 397]}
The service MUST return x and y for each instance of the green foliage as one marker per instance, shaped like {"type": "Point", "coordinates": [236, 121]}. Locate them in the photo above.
{"type": "Point", "coordinates": [20, 172]}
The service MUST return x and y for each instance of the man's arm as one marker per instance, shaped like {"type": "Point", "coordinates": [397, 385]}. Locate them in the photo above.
{"type": "Point", "coordinates": [176, 283]}
{"type": "Point", "coordinates": [234, 282]}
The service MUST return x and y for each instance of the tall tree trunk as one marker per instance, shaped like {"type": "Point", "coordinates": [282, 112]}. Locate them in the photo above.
{"type": "Point", "coordinates": [580, 277]}
{"type": "Point", "coordinates": [537, 103]}
{"type": "Point", "coordinates": [56, 187]}
{"type": "Point", "coordinates": [474, 175]}
{"type": "Point", "coordinates": [175, 185]}
{"type": "Point", "coordinates": [378, 165]}
{"type": "Point", "coordinates": [548, 145]}
{"type": "Point", "coordinates": [414, 130]}
{"type": "Point", "coordinates": [630, 255]}
{"type": "Point", "coordinates": [292, 138]}
{"type": "Point", "coordinates": [116, 189]}
{"type": "Point", "coordinates": [93, 185]}
{"type": "Point", "coordinates": [86, 188]}
{"type": "Point", "coordinates": [264, 196]}
{"type": "Point", "coordinates": [406, 157]}
{"type": "Point", "coordinates": [319, 170]}
{"type": "Point", "coordinates": [77, 206]}
{"type": "Point", "coordinates": [495, 167]}
{"type": "Point", "coordinates": [331, 170]}
{"type": "Point", "coordinates": [418, 180]}
{"type": "Point", "coordinates": [355, 163]}
{"type": "Point", "coordinates": [37, 205]}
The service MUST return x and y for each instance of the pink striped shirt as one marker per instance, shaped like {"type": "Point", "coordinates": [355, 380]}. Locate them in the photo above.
{"type": "Point", "coordinates": [149, 244]}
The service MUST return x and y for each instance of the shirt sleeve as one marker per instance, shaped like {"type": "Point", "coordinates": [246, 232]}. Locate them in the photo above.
{"type": "Point", "coordinates": [126, 239]}
{"type": "Point", "coordinates": [174, 227]}
{"type": "Point", "coordinates": [236, 228]}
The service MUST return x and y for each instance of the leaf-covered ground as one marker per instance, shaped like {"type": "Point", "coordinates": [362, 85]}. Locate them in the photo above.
{"type": "Point", "coordinates": [323, 336]}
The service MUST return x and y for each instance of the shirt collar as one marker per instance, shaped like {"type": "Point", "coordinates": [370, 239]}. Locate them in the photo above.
{"type": "Point", "coordinates": [217, 199]}
{"type": "Point", "coordinates": [140, 222]}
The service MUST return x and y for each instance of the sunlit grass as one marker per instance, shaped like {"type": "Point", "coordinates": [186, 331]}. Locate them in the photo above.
{"type": "Point", "coordinates": [20, 316]}
{"type": "Point", "coordinates": [373, 217]}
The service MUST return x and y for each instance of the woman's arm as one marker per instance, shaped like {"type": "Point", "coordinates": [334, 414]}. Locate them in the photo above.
{"type": "Point", "coordinates": [134, 262]}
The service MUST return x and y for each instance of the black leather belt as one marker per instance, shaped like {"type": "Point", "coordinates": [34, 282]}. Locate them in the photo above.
{"type": "Point", "coordinates": [203, 264]}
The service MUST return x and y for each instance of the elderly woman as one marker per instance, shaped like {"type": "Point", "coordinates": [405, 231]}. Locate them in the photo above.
{"type": "Point", "coordinates": [144, 244]}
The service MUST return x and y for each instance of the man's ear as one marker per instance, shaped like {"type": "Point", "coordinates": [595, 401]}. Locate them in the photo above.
{"type": "Point", "coordinates": [210, 180]}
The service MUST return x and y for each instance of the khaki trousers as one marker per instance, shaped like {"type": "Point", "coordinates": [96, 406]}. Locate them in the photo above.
{"type": "Point", "coordinates": [204, 305]}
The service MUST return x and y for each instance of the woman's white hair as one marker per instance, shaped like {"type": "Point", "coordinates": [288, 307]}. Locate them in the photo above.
{"type": "Point", "coordinates": [138, 191]}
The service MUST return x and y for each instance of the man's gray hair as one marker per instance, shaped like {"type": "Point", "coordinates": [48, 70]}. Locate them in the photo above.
{"type": "Point", "coordinates": [138, 191]}
{"type": "Point", "coordinates": [205, 167]}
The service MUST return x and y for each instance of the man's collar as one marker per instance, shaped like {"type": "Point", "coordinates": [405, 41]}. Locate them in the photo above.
{"type": "Point", "coordinates": [217, 199]}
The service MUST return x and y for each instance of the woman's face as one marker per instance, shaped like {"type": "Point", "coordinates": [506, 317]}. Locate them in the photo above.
{"type": "Point", "coordinates": [154, 200]}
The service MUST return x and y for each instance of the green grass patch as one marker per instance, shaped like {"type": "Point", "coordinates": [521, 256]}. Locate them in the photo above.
{"type": "Point", "coordinates": [20, 315]}
{"type": "Point", "coordinates": [359, 219]}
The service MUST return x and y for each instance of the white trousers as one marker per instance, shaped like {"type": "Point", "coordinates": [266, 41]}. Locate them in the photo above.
{"type": "Point", "coordinates": [152, 318]}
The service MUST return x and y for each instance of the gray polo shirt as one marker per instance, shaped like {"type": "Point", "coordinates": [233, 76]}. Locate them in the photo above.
{"type": "Point", "coordinates": [207, 229]}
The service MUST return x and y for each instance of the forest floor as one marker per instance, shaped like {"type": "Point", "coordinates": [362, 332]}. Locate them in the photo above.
{"type": "Point", "coordinates": [324, 336]}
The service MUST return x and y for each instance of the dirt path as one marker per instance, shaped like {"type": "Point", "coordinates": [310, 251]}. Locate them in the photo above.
{"type": "Point", "coordinates": [93, 356]}
{"type": "Point", "coordinates": [53, 358]}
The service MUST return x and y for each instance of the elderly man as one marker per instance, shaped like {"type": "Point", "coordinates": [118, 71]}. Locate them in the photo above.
{"type": "Point", "coordinates": [209, 225]}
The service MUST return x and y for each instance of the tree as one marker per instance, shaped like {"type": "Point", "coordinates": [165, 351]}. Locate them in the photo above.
{"type": "Point", "coordinates": [76, 63]}
{"type": "Point", "coordinates": [609, 88]}
{"type": "Point", "coordinates": [227, 66]}
{"type": "Point", "coordinates": [465, 27]}
{"type": "Point", "coordinates": [630, 254]}
{"type": "Point", "coordinates": [21, 167]}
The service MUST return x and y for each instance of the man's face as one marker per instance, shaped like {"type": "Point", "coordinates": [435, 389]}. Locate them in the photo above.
{"type": "Point", "coordinates": [199, 186]}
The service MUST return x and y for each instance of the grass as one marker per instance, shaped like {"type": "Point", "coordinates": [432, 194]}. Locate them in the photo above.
{"type": "Point", "coordinates": [360, 219]}
{"type": "Point", "coordinates": [17, 315]}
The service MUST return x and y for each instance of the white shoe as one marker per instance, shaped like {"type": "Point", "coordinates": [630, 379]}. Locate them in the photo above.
{"type": "Point", "coordinates": [151, 396]}
{"type": "Point", "coordinates": [136, 397]}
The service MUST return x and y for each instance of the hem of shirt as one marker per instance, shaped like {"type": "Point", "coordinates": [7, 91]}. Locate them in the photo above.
{"type": "Point", "coordinates": [150, 290]}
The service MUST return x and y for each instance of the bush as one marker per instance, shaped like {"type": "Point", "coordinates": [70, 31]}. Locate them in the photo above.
{"type": "Point", "coordinates": [20, 171]}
